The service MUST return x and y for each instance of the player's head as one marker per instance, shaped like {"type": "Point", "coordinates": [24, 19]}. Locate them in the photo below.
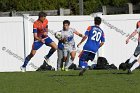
{"type": "Point", "coordinates": [138, 24]}
{"type": "Point", "coordinates": [42, 16]}
{"type": "Point", "coordinates": [97, 20]}
{"type": "Point", "coordinates": [66, 24]}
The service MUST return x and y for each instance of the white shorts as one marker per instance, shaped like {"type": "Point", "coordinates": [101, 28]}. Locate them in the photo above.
{"type": "Point", "coordinates": [68, 49]}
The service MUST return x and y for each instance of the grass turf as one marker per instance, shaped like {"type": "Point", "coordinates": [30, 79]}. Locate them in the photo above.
{"type": "Point", "coordinates": [95, 81]}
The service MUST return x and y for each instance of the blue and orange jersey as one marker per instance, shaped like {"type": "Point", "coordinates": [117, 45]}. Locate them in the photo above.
{"type": "Point", "coordinates": [95, 36]}
{"type": "Point", "coordinates": [40, 27]}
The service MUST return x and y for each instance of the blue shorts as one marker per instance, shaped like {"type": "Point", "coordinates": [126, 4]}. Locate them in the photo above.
{"type": "Point", "coordinates": [38, 44]}
{"type": "Point", "coordinates": [84, 57]}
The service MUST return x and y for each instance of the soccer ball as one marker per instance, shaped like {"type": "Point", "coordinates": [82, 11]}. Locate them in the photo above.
{"type": "Point", "coordinates": [58, 35]}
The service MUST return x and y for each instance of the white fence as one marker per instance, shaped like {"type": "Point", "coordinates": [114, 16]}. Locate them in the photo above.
{"type": "Point", "coordinates": [17, 38]}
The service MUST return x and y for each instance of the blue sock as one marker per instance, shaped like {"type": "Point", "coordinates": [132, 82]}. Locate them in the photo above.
{"type": "Point", "coordinates": [27, 59]}
{"type": "Point", "coordinates": [50, 53]}
{"type": "Point", "coordinates": [83, 64]}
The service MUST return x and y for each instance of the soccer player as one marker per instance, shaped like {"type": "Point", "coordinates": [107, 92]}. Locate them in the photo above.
{"type": "Point", "coordinates": [95, 39]}
{"type": "Point", "coordinates": [40, 30]}
{"type": "Point", "coordinates": [69, 43]}
{"type": "Point", "coordinates": [60, 55]}
{"type": "Point", "coordinates": [137, 50]}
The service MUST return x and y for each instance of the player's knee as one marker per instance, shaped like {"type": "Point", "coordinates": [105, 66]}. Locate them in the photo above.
{"type": "Point", "coordinates": [31, 55]}
{"type": "Point", "coordinates": [54, 46]}
{"type": "Point", "coordinates": [64, 59]}
{"type": "Point", "coordinates": [73, 57]}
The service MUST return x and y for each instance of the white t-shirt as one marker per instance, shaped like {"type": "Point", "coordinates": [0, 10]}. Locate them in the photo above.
{"type": "Point", "coordinates": [69, 36]}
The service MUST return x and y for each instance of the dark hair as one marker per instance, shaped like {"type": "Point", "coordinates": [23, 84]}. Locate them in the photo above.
{"type": "Point", "coordinates": [66, 22]}
{"type": "Point", "coordinates": [42, 14]}
{"type": "Point", "coordinates": [97, 20]}
{"type": "Point", "coordinates": [138, 24]}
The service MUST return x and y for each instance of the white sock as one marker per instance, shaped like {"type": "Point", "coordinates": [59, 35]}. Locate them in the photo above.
{"type": "Point", "coordinates": [64, 64]}
{"type": "Point", "coordinates": [132, 58]}
{"type": "Point", "coordinates": [135, 66]}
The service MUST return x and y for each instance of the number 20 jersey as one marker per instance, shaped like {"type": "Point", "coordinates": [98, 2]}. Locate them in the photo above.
{"type": "Point", "coordinates": [95, 37]}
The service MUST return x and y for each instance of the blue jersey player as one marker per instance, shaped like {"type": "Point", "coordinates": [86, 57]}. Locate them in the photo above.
{"type": "Point", "coordinates": [95, 39]}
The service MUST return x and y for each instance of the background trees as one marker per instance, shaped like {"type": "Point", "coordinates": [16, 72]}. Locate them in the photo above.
{"type": "Point", "coordinates": [90, 6]}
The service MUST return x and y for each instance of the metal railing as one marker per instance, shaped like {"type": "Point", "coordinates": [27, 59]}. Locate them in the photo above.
{"type": "Point", "coordinates": [61, 11]}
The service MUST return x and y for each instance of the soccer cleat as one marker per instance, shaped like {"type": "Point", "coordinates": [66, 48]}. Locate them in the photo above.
{"type": "Point", "coordinates": [129, 72]}
{"type": "Point", "coordinates": [82, 72]}
{"type": "Point", "coordinates": [59, 69]}
{"type": "Point", "coordinates": [124, 67]}
{"type": "Point", "coordinates": [129, 65]}
{"type": "Point", "coordinates": [66, 69]}
{"type": "Point", "coordinates": [42, 67]}
{"type": "Point", "coordinates": [63, 68]}
{"type": "Point", "coordinates": [23, 69]}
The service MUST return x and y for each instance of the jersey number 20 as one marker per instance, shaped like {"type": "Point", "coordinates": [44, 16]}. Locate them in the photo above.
{"type": "Point", "coordinates": [96, 36]}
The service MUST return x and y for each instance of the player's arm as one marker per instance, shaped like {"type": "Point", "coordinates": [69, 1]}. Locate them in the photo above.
{"type": "Point", "coordinates": [35, 34]}
{"type": "Point", "coordinates": [46, 31]}
{"type": "Point", "coordinates": [46, 28]}
{"type": "Point", "coordinates": [102, 39]}
{"type": "Point", "coordinates": [83, 39]}
{"type": "Point", "coordinates": [79, 34]}
{"type": "Point", "coordinates": [37, 38]}
{"type": "Point", "coordinates": [132, 35]}
{"type": "Point", "coordinates": [101, 44]}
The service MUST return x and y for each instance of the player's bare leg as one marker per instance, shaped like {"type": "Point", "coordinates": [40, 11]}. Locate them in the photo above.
{"type": "Point", "coordinates": [72, 54]}
{"type": "Point", "coordinates": [27, 59]}
{"type": "Point", "coordinates": [53, 45]}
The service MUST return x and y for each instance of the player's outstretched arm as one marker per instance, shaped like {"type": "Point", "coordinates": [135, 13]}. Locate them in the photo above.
{"type": "Point", "coordinates": [132, 35]}
{"type": "Point", "coordinates": [79, 34]}
{"type": "Point", "coordinates": [83, 39]}
{"type": "Point", "coordinates": [101, 44]}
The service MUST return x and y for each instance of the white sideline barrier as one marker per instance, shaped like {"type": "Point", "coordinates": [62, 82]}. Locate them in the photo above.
{"type": "Point", "coordinates": [13, 29]}
{"type": "Point", "coordinates": [13, 40]}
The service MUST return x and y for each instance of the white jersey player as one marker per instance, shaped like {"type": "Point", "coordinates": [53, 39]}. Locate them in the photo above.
{"type": "Point", "coordinates": [69, 43]}
{"type": "Point", "coordinates": [137, 50]}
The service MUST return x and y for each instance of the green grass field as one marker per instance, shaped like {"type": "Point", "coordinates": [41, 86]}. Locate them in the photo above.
{"type": "Point", "coordinates": [95, 81]}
